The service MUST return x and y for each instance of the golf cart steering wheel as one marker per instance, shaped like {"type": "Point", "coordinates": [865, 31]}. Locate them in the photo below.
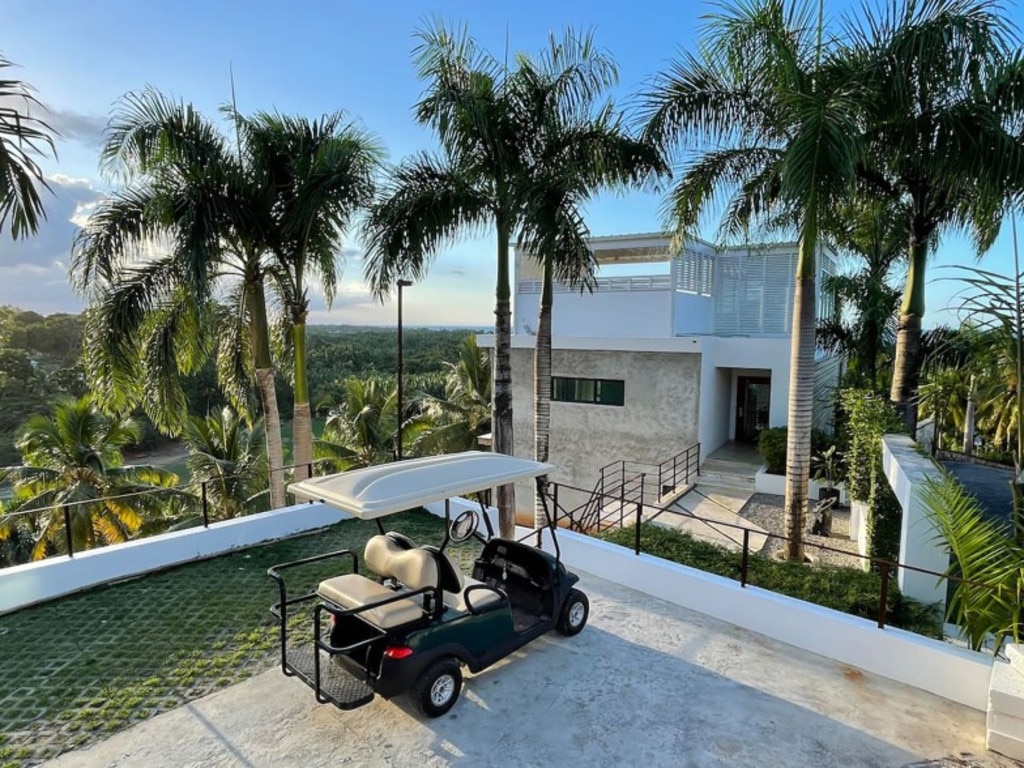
{"type": "Point", "coordinates": [463, 526]}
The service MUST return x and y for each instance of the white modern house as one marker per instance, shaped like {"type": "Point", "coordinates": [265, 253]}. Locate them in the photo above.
{"type": "Point", "coordinates": [675, 346]}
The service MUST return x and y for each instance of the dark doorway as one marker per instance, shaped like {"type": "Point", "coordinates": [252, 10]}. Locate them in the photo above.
{"type": "Point", "coordinates": [753, 396]}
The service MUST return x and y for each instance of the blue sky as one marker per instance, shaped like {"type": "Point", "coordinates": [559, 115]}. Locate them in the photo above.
{"type": "Point", "coordinates": [313, 57]}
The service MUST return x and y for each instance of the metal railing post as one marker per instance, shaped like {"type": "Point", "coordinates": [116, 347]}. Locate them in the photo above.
{"type": "Point", "coordinates": [745, 559]}
{"type": "Point", "coordinates": [698, 459]}
{"type": "Point", "coordinates": [206, 506]}
{"type": "Point", "coordinates": [883, 597]}
{"type": "Point", "coordinates": [309, 469]}
{"type": "Point", "coordinates": [639, 518]}
{"type": "Point", "coordinates": [675, 472]}
{"type": "Point", "coordinates": [67, 531]}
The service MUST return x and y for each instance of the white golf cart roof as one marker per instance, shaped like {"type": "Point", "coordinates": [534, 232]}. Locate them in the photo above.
{"type": "Point", "coordinates": [384, 489]}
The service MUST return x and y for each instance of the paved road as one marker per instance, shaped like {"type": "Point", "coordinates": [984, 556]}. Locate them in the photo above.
{"type": "Point", "coordinates": [646, 684]}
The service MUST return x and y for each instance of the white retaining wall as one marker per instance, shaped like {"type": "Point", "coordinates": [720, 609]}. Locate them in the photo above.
{"type": "Point", "coordinates": [920, 545]}
{"type": "Point", "coordinates": [24, 585]}
{"type": "Point", "coordinates": [953, 673]}
{"type": "Point", "coordinates": [776, 484]}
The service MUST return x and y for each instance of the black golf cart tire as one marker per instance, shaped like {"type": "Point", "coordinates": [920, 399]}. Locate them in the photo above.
{"type": "Point", "coordinates": [566, 624]}
{"type": "Point", "coordinates": [422, 691]}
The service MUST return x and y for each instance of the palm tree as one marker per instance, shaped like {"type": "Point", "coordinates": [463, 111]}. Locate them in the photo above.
{"type": "Point", "coordinates": [361, 430]}
{"type": "Point", "coordinates": [73, 459]}
{"type": "Point", "coordinates": [863, 326]}
{"type": "Point", "coordinates": [771, 112]}
{"type": "Point", "coordinates": [322, 172]}
{"type": "Point", "coordinates": [23, 136]}
{"type": "Point", "coordinates": [225, 457]}
{"type": "Point", "coordinates": [458, 419]}
{"type": "Point", "coordinates": [483, 177]}
{"type": "Point", "coordinates": [578, 147]}
{"type": "Point", "coordinates": [944, 396]}
{"type": "Point", "coordinates": [202, 204]}
{"type": "Point", "coordinates": [942, 111]}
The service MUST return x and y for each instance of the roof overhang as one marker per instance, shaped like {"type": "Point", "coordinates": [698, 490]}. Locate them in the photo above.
{"type": "Point", "coordinates": [385, 489]}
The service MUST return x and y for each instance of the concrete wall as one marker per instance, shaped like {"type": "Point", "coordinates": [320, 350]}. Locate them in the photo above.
{"type": "Point", "coordinates": [906, 471]}
{"type": "Point", "coordinates": [658, 420]}
{"type": "Point", "coordinates": [771, 354]}
{"type": "Point", "coordinates": [715, 407]}
{"type": "Point", "coordinates": [23, 585]}
{"type": "Point", "coordinates": [945, 670]}
{"type": "Point", "coordinates": [693, 314]}
{"type": "Point", "coordinates": [605, 314]}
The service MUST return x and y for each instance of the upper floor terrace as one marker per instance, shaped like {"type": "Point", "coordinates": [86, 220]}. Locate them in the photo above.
{"type": "Point", "coordinates": [649, 288]}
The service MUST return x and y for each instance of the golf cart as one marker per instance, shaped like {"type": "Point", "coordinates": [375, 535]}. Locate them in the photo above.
{"type": "Point", "coordinates": [413, 627]}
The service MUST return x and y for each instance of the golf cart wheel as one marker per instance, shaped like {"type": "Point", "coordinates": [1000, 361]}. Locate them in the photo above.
{"type": "Point", "coordinates": [574, 613]}
{"type": "Point", "coordinates": [438, 687]}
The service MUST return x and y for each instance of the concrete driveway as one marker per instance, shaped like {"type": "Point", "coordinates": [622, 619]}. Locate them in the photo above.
{"type": "Point", "coordinates": [646, 684]}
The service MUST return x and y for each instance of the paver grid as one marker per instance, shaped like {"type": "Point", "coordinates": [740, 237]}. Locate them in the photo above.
{"type": "Point", "coordinates": [79, 668]}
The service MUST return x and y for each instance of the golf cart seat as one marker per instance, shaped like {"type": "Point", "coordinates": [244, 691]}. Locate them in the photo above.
{"type": "Point", "coordinates": [454, 584]}
{"type": "Point", "coordinates": [414, 568]}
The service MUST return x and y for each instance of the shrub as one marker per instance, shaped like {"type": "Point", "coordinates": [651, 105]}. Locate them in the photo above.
{"type": "Point", "coordinates": [771, 444]}
{"type": "Point", "coordinates": [849, 590]}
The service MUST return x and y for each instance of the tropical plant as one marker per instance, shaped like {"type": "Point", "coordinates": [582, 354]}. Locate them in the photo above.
{"type": "Point", "coordinates": [943, 396]}
{"type": "Point", "coordinates": [987, 604]}
{"type": "Point", "coordinates": [322, 172]}
{"type": "Point", "coordinates": [458, 419]}
{"type": "Point", "coordinates": [73, 460]}
{"type": "Point", "coordinates": [578, 147]}
{"type": "Point", "coordinates": [942, 104]}
{"type": "Point", "coordinates": [362, 429]}
{"type": "Point", "coordinates": [203, 206]}
{"type": "Point", "coordinates": [483, 176]}
{"type": "Point", "coordinates": [863, 326]}
{"type": "Point", "coordinates": [227, 463]}
{"type": "Point", "coordinates": [767, 116]}
{"type": "Point", "coordinates": [23, 137]}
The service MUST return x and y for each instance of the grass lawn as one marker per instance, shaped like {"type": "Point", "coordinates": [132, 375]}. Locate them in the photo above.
{"type": "Point", "coordinates": [81, 667]}
{"type": "Point", "coordinates": [843, 589]}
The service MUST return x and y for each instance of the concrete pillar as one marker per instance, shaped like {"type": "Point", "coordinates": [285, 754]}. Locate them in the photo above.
{"type": "Point", "coordinates": [906, 470]}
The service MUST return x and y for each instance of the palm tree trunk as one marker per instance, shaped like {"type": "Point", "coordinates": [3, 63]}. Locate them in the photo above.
{"type": "Point", "coordinates": [260, 335]}
{"type": "Point", "coordinates": [907, 363]}
{"type": "Point", "coordinates": [501, 418]}
{"type": "Point", "coordinates": [801, 399]}
{"type": "Point", "coordinates": [302, 422]}
{"type": "Point", "coordinates": [542, 390]}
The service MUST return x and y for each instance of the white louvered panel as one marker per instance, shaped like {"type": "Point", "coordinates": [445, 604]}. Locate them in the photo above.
{"type": "Point", "coordinates": [779, 279]}
{"type": "Point", "coordinates": [727, 281]}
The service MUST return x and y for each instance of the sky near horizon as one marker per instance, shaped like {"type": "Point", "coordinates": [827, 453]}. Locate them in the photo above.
{"type": "Point", "coordinates": [312, 57]}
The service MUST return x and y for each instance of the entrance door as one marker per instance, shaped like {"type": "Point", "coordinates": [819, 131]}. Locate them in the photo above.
{"type": "Point", "coordinates": [753, 396]}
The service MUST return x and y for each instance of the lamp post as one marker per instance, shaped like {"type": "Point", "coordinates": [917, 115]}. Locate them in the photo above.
{"type": "Point", "coordinates": [400, 413]}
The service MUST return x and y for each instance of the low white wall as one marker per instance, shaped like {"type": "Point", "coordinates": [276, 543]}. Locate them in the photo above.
{"type": "Point", "coordinates": [776, 484]}
{"type": "Point", "coordinates": [953, 673]}
{"type": "Point", "coordinates": [24, 585]}
{"type": "Point", "coordinates": [920, 546]}
{"type": "Point", "coordinates": [459, 505]}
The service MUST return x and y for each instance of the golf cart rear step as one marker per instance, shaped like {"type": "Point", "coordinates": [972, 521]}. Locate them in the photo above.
{"type": "Point", "coordinates": [337, 684]}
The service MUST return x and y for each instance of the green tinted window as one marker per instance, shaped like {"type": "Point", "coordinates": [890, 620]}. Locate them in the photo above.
{"type": "Point", "coordinates": [594, 391]}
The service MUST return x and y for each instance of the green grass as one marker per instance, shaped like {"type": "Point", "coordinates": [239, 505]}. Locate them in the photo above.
{"type": "Point", "coordinates": [843, 589]}
{"type": "Point", "coordinates": [82, 667]}
{"type": "Point", "coordinates": [286, 435]}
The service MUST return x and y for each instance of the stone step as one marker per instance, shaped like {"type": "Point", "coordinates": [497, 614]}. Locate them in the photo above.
{"type": "Point", "coordinates": [1005, 723]}
{"type": "Point", "coordinates": [726, 479]}
{"type": "Point", "coordinates": [729, 467]}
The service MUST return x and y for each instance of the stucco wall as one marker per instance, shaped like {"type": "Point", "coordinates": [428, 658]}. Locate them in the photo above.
{"type": "Point", "coordinates": [659, 417]}
{"type": "Point", "coordinates": [606, 314]}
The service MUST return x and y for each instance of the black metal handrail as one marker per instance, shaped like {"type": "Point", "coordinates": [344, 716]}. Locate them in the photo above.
{"type": "Point", "coordinates": [571, 519]}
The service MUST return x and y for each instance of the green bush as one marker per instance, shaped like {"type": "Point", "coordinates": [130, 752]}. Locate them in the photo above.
{"type": "Point", "coordinates": [771, 445]}
{"type": "Point", "coordinates": [884, 517]}
{"type": "Point", "coordinates": [849, 590]}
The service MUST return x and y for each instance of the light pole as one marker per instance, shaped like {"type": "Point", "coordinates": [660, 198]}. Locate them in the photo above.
{"type": "Point", "coordinates": [398, 448]}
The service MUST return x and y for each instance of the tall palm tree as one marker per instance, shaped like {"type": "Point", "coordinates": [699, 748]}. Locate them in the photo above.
{"type": "Point", "coordinates": [579, 147]}
{"type": "Point", "coordinates": [224, 455]}
{"type": "Point", "coordinates": [23, 137]}
{"type": "Point", "coordinates": [323, 172]}
{"type": "Point", "coordinates": [942, 114]}
{"type": "Point", "coordinates": [767, 116]}
{"type": "Point", "coordinates": [481, 178]}
{"type": "Point", "coordinates": [73, 458]}
{"type": "Point", "coordinates": [863, 326]}
{"type": "Point", "coordinates": [203, 206]}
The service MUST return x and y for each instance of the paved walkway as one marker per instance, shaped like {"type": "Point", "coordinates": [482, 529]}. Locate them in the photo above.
{"type": "Point", "coordinates": [647, 684]}
{"type": "Point", "coordinates": [711, 513]}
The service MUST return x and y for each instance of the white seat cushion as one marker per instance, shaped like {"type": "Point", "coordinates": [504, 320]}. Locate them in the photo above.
{"type": "Point", "coordinates": [479, 597]}
{"type": "Point", "coordinates": [353, 591]}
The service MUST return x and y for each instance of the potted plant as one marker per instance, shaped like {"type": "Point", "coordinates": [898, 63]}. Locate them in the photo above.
{"type": "Point", "coordinates": [826, 464]}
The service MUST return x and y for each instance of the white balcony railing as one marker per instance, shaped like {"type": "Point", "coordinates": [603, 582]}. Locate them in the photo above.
{"type": "Point", "coordinates": [605, 284]}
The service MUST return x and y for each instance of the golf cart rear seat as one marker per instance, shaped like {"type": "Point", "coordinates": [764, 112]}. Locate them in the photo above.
{"type": "Point", "coordinates": [414, 568]}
